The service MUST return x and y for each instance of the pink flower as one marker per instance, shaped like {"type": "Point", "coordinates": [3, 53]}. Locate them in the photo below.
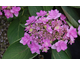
{"type": "Point", "coordinates": [60, 45]}
{"type": "Point", "coordinates": [43, 19]}
{"type": "Point", "coordinates": [15, 10]}
{"type": "Point", "coordinates": [45, 49]}
{"type": "Point", "coordinates": [54, 14]}
{"type": "Point", "coordinates": [41, 31]}
{"type": "Point", "coordinates": [79, 21]}
{"type": "Point", "coordinates": [79, 30]}
{"type": "Point", "coordinates": [46, 43]}
{"type": "Point", "coordinates": [26, 39]}
{"type": "Point", "coordinates": [3, 7]}
{"type": "Point", "coordinates": [35, 47]}
{"type": "Point", "coordinates": [31, 20]}
{"type": "Point", "coordinates": [62, 17]}
{"type": "Point", "coordinates": [41, 13]}
{"type": "Point", "coordinates": [57, 28]}
{"type": "Point", "coordinates": [72, 33]}
{"type": "Point", "coordinates": [0, 13]}
{"type": "Point", "coordinates": [8, 13]}
{"type": "Point", "coordinates": [48, 28]}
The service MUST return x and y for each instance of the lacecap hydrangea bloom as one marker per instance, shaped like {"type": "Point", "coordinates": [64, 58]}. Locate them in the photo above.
{"type": "Point", "coordinates": [10, 10]}
{"type": "Point", "coordinates": [44, 29]}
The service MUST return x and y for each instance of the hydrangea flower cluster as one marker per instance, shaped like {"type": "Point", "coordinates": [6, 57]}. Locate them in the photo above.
{"type": "Point", "coordinates": [10, 10]}
{"type": "Point", "coordinates": [44, 29]}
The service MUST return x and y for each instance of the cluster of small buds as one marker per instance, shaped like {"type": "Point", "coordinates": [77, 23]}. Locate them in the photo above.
{"type": "Point", "coordinates": [44, 29]}
{"type": "Point", "coordinates": [10, 10]}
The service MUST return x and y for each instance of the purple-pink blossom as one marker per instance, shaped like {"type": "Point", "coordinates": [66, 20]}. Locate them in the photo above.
{"type": "Point", "coordinates": [79, 30]}
{"type": "Point", "coordinates": [48, 28]}
{"type": "Point", "coordinates": [60, 45]}
{"type": "Point", "coordinates": [62, 17]}
{"type": "Point", "coordinates": [35, 47]}
{"type": "Point", "coordinates": [26, 39]}
{"type": "Point", "coordinates": [41, 13]}
{"type": "Point", "coordinates": [31, 20]}
{"type": "Point", "coordinates": [0, 13]}
{"type": "Point", "coordinates": [54, 14]}
{"type": "Point", "coordinates": [9, 11]}
{"type": "Point", "coordinates": [78, 21]}
{"type": "Point", "coordinates": [57, 28]}
{"type": "Point", "coordinates": [3, 7]}
{"type": "Point", "coordinates": [15, 10]}
{"type": "Point", "coordinates": [41, 31]}
{"type": "Point", "coordinates": [8, 14]}
{"type": "Point", "coordinates": [46, 43]}
{"type": "Point", "coordinates": [43, 20]}
{"type": "Point", "coordinates": [72, 33]}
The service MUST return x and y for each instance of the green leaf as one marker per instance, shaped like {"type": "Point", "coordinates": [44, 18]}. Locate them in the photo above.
{"type": "Point", "coordinates": [18, 51]}
{"type": "Point", "coordinates": [60, 9]}
{"type": "Point", "coordinates": [34, 9]}
{"type": "Point", "coordinates": [47, 8]}
{"type": "Point", "coordinates": [68, 23]}
{"type": "Point", "coordinates": [67, 51]}
{"type": "Point", "coordinates": [60, 55]}
{"type": "Point", "coordinates": [24, 15]}
{"type": "Point", "coordinates": [15, 31]}
{"type": "Point", "coordinates": [71, 15]}
{"type": "Point", "coordinates": [23, 25]}
{"type": "Point", "coordinates": [10, 19]}
{"type": "Point", "coordinates": [75, 6]}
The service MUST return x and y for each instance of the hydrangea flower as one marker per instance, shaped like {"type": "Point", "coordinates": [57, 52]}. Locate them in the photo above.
{"type": "Point", "coordinates": [78, 21]}
{"type": "Point", "coordinates": [60, 45]}
{"type": "Point", "coordinates": [43, 19]}
{"type": "Point", "coordinates": [62, 17]}
{"type": "Point", "coordinates": [3, 7]}
{"type": "Point", "coordinates": [79, 30]}
{"type": "Point", "coordinates": [41, 13]}
{"type": "Point", "coordinates": [0, 13]}
{"type": "Point", "coordinates": [54, 14]}
{"type": "Point", "coordinates": [72, 33]}
{"type": "Point", "coordinates": [45, 28]}
{"type": "Point", "coordinates": [8, 14]}
{"type": "Point", "coordinates": [15, 10]}
{"type": "Point", "coordinates": [31, 20]}
{"type": "Point", "coordinates": [26, 39]}
{"type": "Point", "coordinates": [57, 28]}
{"type": "Point", "coordinates": [48, 28]}
{"type": "Point", "coordinates": [35, 48]}
{"type": "Point", "coordinates": [46, 43]}
{"type": "Point", "coordinates": [10, 10]}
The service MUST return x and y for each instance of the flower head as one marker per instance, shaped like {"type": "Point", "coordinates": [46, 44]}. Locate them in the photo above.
{"type": "Point", "coordinates": [10, 10]}
{"type": "Point", "coordinates": [42, 30]}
